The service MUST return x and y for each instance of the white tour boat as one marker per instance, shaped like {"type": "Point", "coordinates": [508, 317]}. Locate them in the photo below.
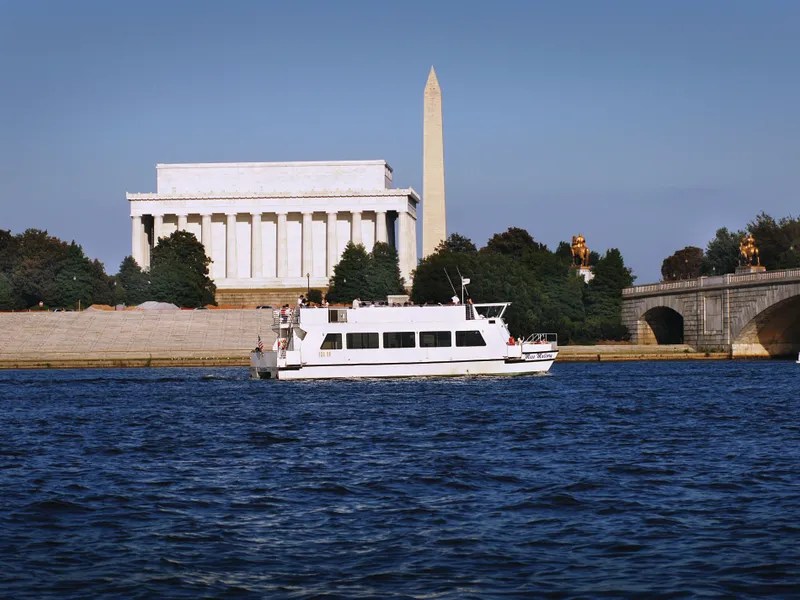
{"type": "Point", "coordinates": [399, 341]}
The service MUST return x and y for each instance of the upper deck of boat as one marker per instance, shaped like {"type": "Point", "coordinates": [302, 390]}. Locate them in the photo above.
{"type": "Point", "coordinates": [375, 314]}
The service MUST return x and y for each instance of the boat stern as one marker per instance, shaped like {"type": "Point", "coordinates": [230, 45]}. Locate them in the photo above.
{"type": "Point", "coordinates": [264, 365]}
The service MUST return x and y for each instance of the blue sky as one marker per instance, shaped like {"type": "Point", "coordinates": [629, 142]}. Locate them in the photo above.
{"type": "Point", "coordinates": [642, 125]}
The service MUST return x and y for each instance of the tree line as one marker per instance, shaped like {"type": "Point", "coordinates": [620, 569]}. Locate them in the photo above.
{"type": "Point", "coordinates": [36, 267]}
{"type": "Point", "coordinates": [778, 243]}
{"type": "Point", "coordinates": [547, 294]}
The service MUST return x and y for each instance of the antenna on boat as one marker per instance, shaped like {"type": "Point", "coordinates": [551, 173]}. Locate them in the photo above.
{"type": "Point", "coordinates": [464, 282]}
{"type": "Point", "coordinates": [455, 293]}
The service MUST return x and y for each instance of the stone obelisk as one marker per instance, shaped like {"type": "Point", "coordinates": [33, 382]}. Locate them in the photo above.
{"type": "Point", "coordinates": [434, 227]}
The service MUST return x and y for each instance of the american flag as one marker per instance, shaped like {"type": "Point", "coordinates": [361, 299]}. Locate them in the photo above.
{"type": "Point", "coordinates": [260, 344]}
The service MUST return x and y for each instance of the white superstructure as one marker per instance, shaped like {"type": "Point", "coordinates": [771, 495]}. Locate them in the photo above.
{"type": "Point", "coordinates": [399, 341]}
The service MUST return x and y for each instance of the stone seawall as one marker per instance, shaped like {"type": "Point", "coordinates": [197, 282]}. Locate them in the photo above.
{"type": "Point", "coordinates": [629, 352]}
{"type": "Point", "coordinates": [198, 338]}
{"type": "Point", "coordinates": [132, 338]}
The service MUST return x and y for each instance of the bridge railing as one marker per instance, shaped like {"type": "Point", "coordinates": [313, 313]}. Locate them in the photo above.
{"type": "Point", "coordinates": [715, 281]}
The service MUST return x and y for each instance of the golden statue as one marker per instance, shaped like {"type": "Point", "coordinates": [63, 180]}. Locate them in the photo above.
{"type": "Point", "coordinates": [580, 251]}
{"type": "Point", "coordinates": [748, 251]}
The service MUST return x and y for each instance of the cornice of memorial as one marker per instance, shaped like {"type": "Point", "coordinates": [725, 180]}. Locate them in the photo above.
{"type": "Point", "coordinates": [300, 163]}
{"type": "Point", "coordinates": [153, 196]}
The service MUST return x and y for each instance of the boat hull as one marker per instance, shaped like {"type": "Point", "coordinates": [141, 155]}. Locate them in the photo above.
{"type": "Point", "coordinates": [264, 366]}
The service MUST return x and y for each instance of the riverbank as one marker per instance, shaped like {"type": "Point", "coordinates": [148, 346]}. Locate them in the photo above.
{"type": "Point", "coordinates": [631, 352]}
{"type": "Point", "coordinates": [240, 358]}
{"type": "Point", "coordinates": [122, 360]}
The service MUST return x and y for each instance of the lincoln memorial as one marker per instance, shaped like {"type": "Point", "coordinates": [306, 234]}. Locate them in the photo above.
{"type": "Point", "coordinates": [272, 229]}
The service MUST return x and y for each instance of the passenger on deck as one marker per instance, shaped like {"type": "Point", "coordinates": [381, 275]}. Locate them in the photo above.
{"type": "Point", "coordinates": [356, 302]}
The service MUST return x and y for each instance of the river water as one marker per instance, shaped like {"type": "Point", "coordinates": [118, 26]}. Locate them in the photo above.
{"type": "Point", "coordinates": [665, 479]}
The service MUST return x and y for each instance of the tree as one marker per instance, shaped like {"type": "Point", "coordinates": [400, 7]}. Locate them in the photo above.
{"type": "Point", "coordinates": [102, 284]}
{"type": "Point", "coordinates": [35, 265]}
{"type": "Point", "coordinates": [431, 283]}
{"type": "Point", "coordinates": [349, 279]}
{"type": "Point", "coordinates": [8, 251]}
{"type": "Point", "coordinates": [383, 273]}
{"type": "Point", "coordinates": [778, 242]}
{"type": "Point", "coordinates": [514, 242]}
{"type": "Point", "coordinates": [456, 243]}
{"type": "Point", "coordinates": [564, 251]}
{"type": "Point", "coordinates": [179, 271]}
{"type": "Point", "coordinates": [34, 281]}
{"type": "Point", "coordinates": [6, 293]}
{"type": "Point", "coordinates": [134, 285]}
{"type": "Point", "coordinates": [604, 296]}
{"type": "Point", "coordinates": [688, 263]}
{"type": "Point", "coordinates": [722, 253]}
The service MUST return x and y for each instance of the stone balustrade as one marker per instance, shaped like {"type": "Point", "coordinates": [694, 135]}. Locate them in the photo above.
{"type": "Point", "coordinates": [718, 281]}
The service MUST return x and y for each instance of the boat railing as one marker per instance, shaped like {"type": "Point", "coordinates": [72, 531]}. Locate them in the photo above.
{"type": "Point", "coordinates": [542, 338]}
{"type": "Point", "coordinates": [285, 317]}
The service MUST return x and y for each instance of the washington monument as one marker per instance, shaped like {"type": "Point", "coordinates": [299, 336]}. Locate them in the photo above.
{"type": "Point", "coordinates": [434, 227]}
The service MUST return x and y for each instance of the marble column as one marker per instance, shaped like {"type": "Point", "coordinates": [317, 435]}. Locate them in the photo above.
{"type": "Point", "coordinates": [308, 245]}
{"type": "Point", "coordinates": [390, 232]}
{"type": "Point", "coordinates": [403, 234]}
{"type": "Point", "coordinates": [205, 233]}
{"type": "Point", "coordinates": [380, 227]}
{"type": "Point", "coordinates": [355, 229]}
{"type": "Point", "coordinates": [256, 258]}
{"type": "Point", "coordinates": [412, 247]}
{"type": "Point", "coordinates": [137, 240]}
{"type": "Point", "coordinates": [183, 220]}
{"type": "Point", "coordinates": [158, 226]}
{"type": "Point", "coordinates": [231, 261]}
{"type": "Point", "coordinates": [283, 246]}
{"type": "Point", "coordinates": [333, 245]}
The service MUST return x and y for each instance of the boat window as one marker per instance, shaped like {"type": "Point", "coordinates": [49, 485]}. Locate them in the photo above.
{"type": "Point", "coordinates": [337, 315]}
{"type": "Point", "coordinates": [332, 341]}
{"type": "Point", "coordinates": [469, 338]}
{"type": "Point", "coordinates": [435, 339]}
{"type": "Point", "coordinates": [362, 341]}
{"type": "Point", "coordinates": [400, 339]}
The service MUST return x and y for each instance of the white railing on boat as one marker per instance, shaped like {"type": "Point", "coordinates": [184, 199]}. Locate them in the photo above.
{"type": "Point", "coordinates": [285, 317]}
{"type": "Point", "coordinates": [542, 338]}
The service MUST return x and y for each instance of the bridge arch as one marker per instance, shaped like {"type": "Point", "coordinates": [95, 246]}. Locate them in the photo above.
{"type": "Point", "coordinates": [769, 326]}
{"type": "Point", "coordinates": [661, 321]}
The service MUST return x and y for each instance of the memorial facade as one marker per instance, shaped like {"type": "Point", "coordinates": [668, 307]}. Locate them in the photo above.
{"type": "Point", "coordinates": [276, 227]}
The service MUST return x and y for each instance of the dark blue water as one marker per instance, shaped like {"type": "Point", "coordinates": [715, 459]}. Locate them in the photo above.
{"type": "Point", "coordinates": [652, 480]}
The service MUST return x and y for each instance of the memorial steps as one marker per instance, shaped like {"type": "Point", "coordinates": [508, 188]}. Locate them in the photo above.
{"type": "Point", "coordinates": [132, 338]}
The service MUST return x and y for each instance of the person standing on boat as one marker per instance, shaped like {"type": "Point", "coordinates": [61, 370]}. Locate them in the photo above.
{"type": "Point", "coordinates": [356, 302]}
{"type": "Point", "coordinates": [470, 310]}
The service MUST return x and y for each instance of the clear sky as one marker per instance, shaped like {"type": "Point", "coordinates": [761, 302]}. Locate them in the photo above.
{"type": "Point", "coordinates": [643, 125]}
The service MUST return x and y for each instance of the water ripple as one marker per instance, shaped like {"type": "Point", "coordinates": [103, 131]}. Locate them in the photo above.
{"type": "Point", "coordinates": [662, 480]}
